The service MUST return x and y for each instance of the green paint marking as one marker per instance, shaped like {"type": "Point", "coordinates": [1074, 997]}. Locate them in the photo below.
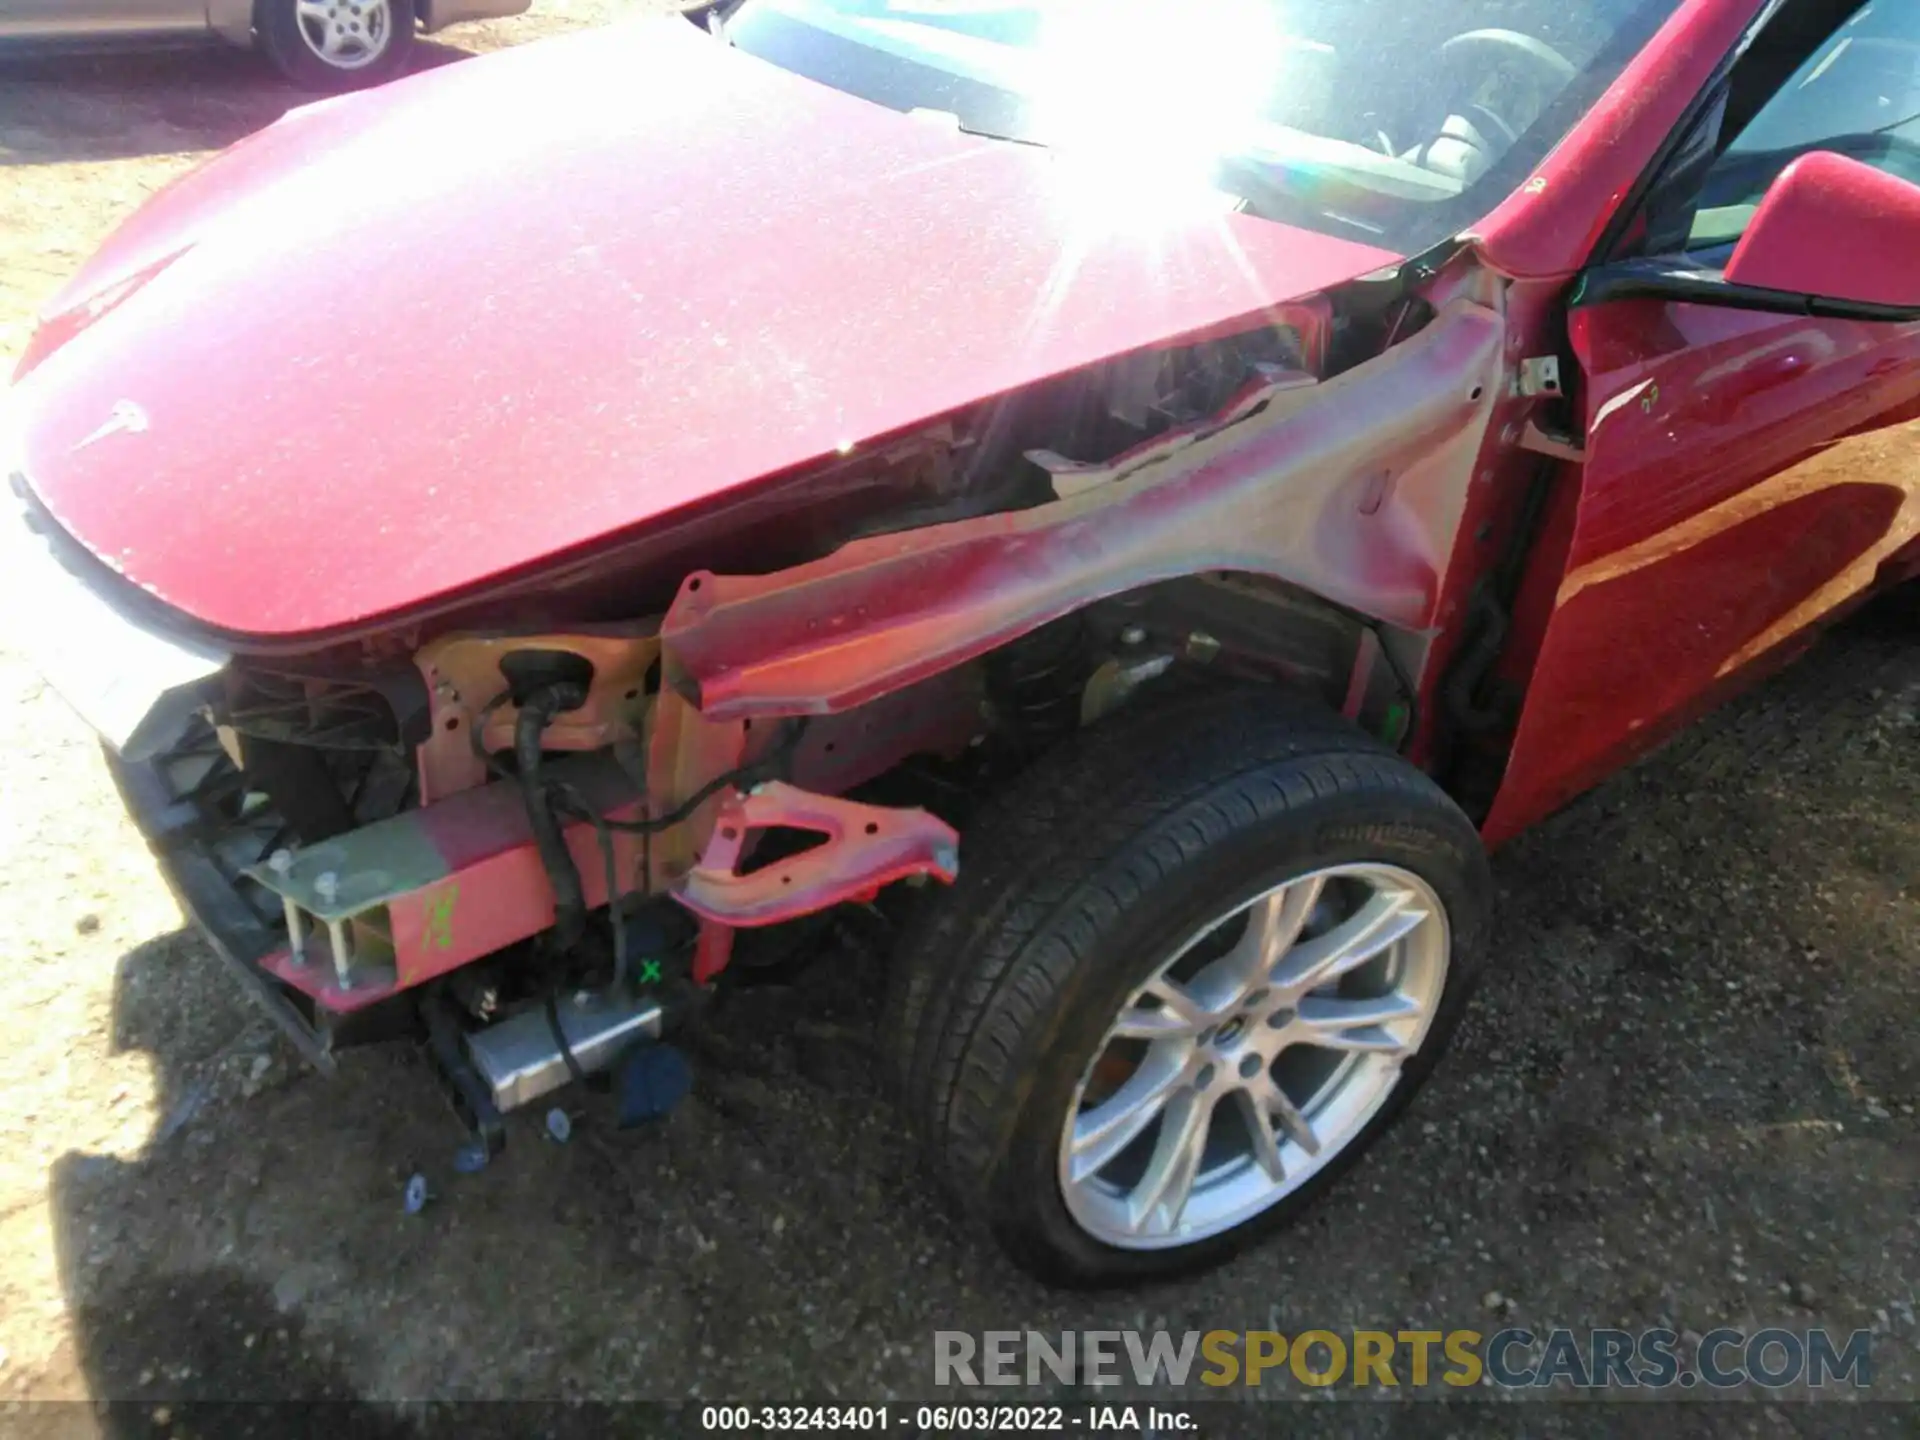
{"type": "Point", "coordinates": [440, 919]}
{"type": "Point", "coordinates": [649, 972]}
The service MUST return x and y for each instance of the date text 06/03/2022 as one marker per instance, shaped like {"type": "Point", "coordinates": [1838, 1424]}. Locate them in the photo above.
{"type": "Point", "coordinates": [950, 1419]}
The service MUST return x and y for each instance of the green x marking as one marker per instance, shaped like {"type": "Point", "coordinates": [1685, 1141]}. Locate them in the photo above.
{"type": "Point", "coordinates": [649, 972]}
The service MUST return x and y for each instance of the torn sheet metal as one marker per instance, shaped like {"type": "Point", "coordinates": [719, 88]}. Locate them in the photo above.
{"type": "Point", "coordinates": [1356, 497]}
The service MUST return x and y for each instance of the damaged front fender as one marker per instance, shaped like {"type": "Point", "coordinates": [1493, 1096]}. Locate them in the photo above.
{"type": "Point", "coordinates": [1352, 489]}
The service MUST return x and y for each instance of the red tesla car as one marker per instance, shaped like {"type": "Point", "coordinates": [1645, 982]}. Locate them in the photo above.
{"type": "Point", "coordinates": [1183, 476]}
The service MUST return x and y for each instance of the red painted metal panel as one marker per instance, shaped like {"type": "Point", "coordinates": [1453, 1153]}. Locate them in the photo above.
{"type": "Point", "coordinates": [866, 847]}
{"type": "Point", "coordinates": [1789, 245]}
{"type": "Point", "coordinates": [1747, 476]}
{"type": "Point", "coordinates": [1550, 226]}
{"type": "Point", "coordinates": [404, 344]}
{"type": "Point", "coordinates": [1280, 492]}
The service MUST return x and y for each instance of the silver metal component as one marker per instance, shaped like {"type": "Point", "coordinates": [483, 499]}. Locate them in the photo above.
{"type": "Point", "coordinates": [520, 1060]}
{"type": "Point", "coordinates": [1110, 685]}
{"type": "Point", "coordinates": [296, 929]}
{"type": "Point", "coordinates": [1256, 1053]}
{"type": "Point", "coordinates": [1540, 375]}
{"type": "Point", "coordinates": [1202, 647]}
{"type": "Point", "coordinates": [1132, 635]}
{"type": "Point", "coordinates": [281, 864]}
{"type": "Point", "coordinates": [346, 34]}
{"type": "Point", "coordinates": [327, 886]}
{"type": "Point", "coordinates": [341, 944]}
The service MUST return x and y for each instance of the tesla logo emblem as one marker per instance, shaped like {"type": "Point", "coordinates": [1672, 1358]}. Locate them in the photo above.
{"type": "Point", "coordinates": [127, 419]}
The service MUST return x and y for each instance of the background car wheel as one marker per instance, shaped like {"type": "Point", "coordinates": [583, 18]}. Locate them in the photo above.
{"type": "Point", "coordinates": [337, 44]}
{"type": "Point", "coordinates": [1196, 962]}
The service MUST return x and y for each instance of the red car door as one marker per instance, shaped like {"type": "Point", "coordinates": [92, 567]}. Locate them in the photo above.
{"type": "Point", "coordinates": [1746, 473]}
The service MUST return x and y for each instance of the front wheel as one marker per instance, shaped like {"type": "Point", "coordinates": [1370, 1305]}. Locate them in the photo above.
{"type": "Point", "coordinates": [1203, 959]}
{"type": "Point", "coordinates": [337, 44]}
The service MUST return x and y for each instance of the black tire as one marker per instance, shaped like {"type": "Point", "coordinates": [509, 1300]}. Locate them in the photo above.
{"type": "Point", "coordinates": [1081, 880]}
{"type": "Point", "coordinates": [278, 24]}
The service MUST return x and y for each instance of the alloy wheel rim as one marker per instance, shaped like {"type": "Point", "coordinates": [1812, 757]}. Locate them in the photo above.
{"type": "Point", "coordinates": [346, 34]}
{"type": "Point", "coordinates": [1253, 1055]}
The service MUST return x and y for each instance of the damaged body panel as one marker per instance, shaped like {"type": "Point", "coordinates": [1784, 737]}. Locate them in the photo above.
{"type": "Point", "coordinates": [691, 362]}
{"type": "Point", "coordinates": [822, 504]}
{"type": "Point", "coordinates": [1351, 490]}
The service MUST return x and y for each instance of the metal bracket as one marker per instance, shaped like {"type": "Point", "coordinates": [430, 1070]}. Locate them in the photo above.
{"type": "Point", "coordinates": [867, 846]}
{"type": "Point", "coordinates": [411, 897]}
{"type": "Point", "coordinates": [1540, 375]}
{"type": "Point", "coordinates": [1542, 441]}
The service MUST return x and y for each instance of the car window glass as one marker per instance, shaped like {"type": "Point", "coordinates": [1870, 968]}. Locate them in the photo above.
{"type": "Point", "coordinates": [1857, 94]}
{"type": "Point", "coordinates": [1399, 123]}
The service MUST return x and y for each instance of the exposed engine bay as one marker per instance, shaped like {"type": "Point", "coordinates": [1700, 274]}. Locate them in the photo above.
{"type": "Point", "coordinates": [542, 847]}
{"type": "Point", "coordinates": [1113, 507]}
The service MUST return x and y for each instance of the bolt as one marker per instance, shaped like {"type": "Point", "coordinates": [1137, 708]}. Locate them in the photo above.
{"type": "Point", "coordinates": [1202, 647]}
{"type": "Point", "coordinates": [1279, 1018]}
{"type": "Point", "coordinates": [559, 1126]}
{"type": "Point", "coordinates": [327, 886]}
{"type": "Point", "coordinates": [1250, 1066]}
{"type": "Point", "coordinates": [281, 862]}
{"type": "Point", "coordinates": [1204, 1078]}
{"type": "Point", "coordinates": [1132, 635]}
{"type": "Point", "coordinates": [417, 1194]}
{"type": "Point", "coordinates": [582, 999]}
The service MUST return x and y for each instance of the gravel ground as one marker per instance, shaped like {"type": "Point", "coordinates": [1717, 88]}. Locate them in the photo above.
{"type": "Point", "coordinates": [1687, 1096]}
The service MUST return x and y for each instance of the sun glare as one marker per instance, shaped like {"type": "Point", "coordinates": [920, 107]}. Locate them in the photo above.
{"type": "Point", "coordinates": [1143, 97]}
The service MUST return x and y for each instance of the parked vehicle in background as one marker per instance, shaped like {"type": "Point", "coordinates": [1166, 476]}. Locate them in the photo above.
{"type": "Point", "coordinates": [1185, 477]}
{"type": "Point", "coordinates": [319, 44]}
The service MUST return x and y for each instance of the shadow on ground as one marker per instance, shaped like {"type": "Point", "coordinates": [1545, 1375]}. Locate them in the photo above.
{"type": "Point", "coordinates": [1685, 1097]}
{"type": "Point", "coordinates": [68, 107]}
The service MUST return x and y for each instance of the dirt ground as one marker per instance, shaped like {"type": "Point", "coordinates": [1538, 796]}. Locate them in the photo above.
{"type": "Point", "coordinates": [1687, 1097]}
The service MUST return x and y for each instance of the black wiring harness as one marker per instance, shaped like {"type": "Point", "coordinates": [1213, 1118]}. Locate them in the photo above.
{"type": "Point", "coordinates": [547, 800]}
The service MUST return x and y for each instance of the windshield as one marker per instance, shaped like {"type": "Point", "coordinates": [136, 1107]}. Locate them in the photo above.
{"type": "Point", "coordinates": [1395, 121]}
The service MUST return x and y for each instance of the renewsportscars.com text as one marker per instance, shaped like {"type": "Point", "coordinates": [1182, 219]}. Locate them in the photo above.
{"type": "Point", "coordinates": [1512, 1358]}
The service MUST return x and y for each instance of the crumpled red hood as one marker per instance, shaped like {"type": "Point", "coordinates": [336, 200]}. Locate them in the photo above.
{"type": "Point", "coordinates": [401, 344]}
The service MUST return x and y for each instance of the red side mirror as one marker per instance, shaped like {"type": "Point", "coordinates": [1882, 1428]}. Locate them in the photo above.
{"type": "Point", "coordinates": [1837, 229]}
